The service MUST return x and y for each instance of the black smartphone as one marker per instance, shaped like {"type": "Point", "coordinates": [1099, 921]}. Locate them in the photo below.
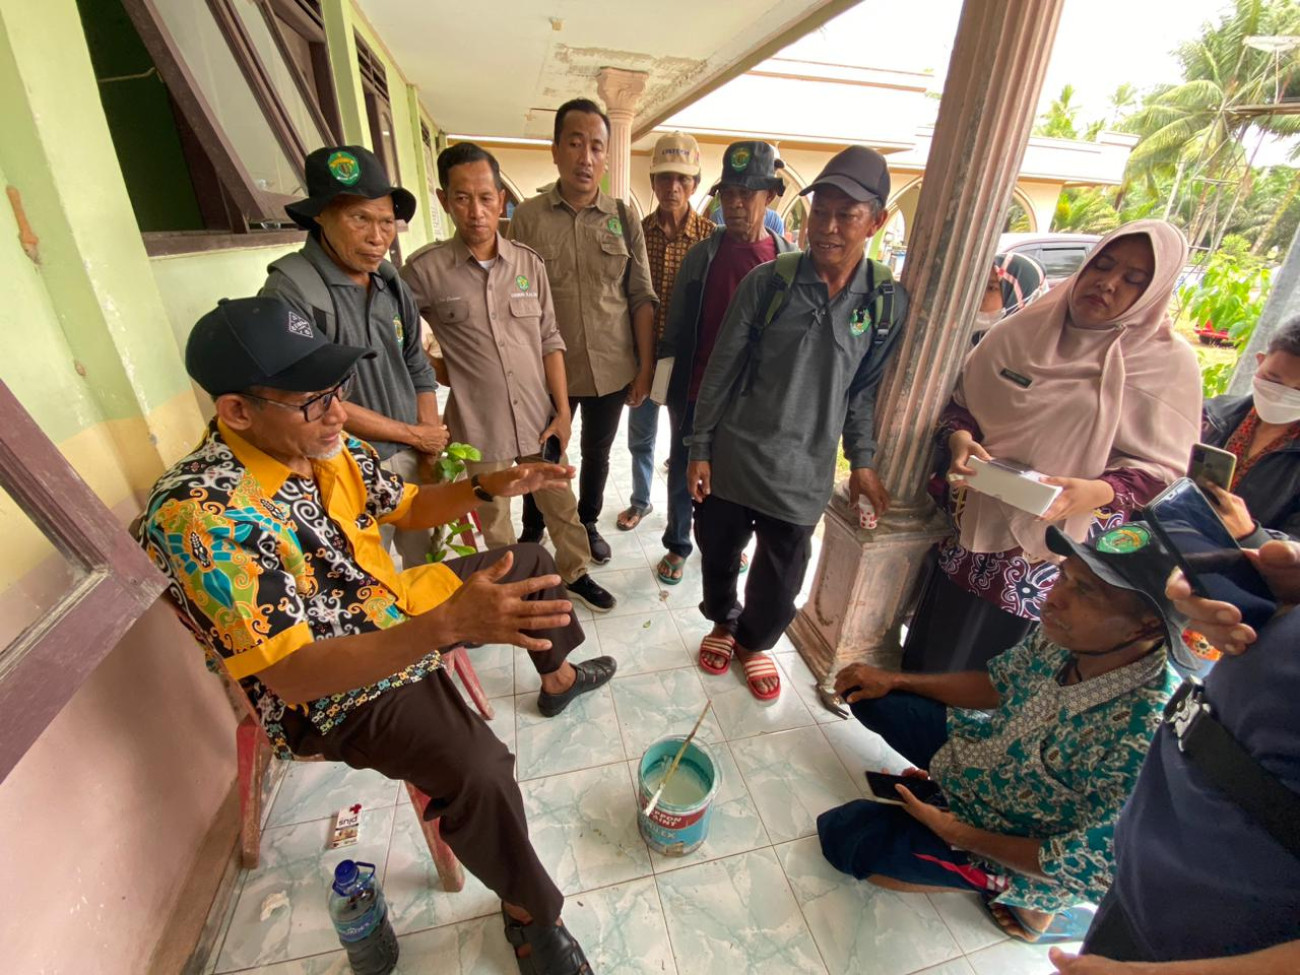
{"type": "Point", "coordinates": [551, 450]}
{"type": "Point", "coordinates": [1209, 556]}
{"type": "Point", "coordinates": [882, 789]}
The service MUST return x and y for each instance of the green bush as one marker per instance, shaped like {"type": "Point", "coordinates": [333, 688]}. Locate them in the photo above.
{"type": "Point", "coordinates": [1231, 295]}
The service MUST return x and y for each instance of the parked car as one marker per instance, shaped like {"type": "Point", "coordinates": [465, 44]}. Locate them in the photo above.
{"type": "Point", "coordinates": [1060, 255]}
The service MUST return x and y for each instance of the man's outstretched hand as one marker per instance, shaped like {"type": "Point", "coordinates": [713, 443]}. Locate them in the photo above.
{"type": "Point", "coordinates": [486, 610]}
{"type": "Point", "coordinates": [526, 478]}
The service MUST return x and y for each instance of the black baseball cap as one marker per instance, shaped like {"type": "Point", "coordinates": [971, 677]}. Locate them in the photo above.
{"type": "Point", "coordinates": [858, 171]}
{"type": "Point", "coordinates": [335, 171]}
{"type": "Point", "coordinates": [750, 164]}
{"type": "Point", "coordinates": [1131, 557]}
{"type": "Point", "coordinates": [263, 341]}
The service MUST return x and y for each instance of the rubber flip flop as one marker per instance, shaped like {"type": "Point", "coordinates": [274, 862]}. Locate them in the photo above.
{"type": "Point", "coordinates": [1068, 925]}
{"type": "Point", "coordinates": [664, 570]}
{"type": "Point", "coordinates": [760, 667]}
{"type": "Point", "coordinates": [718, 646]}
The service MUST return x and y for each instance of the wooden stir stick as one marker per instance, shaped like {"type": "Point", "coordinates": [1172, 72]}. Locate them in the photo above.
{"type": "Point", "coordinates": [654, 799]}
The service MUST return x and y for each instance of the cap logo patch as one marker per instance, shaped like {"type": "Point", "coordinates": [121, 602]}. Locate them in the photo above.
{"type": "Point", "coordinates": [299, 325]}
{"type": "Point", "coordinates": [343, 166]}
{"type": "Point", "coordinates": [1124, 540]}
{"type": "Point", "coordinates": [521, 282]}
{"type": "Point", "coordinates": [615, 225]}
{"type": "Point", "coordinates": [740, 160]}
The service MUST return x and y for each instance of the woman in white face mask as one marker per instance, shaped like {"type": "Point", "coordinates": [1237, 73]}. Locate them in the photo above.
{"type": "Point", "coordinates": [1014, 281]}
{"type": "Point", "coordinates": [1263, 431]}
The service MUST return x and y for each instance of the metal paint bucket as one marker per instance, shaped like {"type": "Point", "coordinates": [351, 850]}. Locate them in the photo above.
{"type": "Point", "coordinates": [680, 821]}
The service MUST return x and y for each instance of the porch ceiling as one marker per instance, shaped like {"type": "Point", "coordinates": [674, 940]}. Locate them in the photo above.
{"type": "Point", "coordinates": [502, 69]}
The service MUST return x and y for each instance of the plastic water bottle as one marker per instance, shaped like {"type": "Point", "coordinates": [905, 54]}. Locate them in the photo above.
{"type": "Point", "coordinates": [360, 918]}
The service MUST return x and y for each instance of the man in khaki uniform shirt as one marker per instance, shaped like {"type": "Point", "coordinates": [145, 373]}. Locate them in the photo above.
{"type": "Point", "coordinates": [489, 304]}
{"type": "Point", "coordinates": [604, 299]}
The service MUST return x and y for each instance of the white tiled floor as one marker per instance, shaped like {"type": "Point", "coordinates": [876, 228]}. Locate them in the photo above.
{"type": "Point", "coordinates": [757, 898]}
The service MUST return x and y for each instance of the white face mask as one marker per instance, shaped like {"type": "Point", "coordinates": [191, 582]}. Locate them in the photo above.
{"type": "Point", "coordinates": [987, 319]}
{"type": "Point", "coordinates": [1276, 403]}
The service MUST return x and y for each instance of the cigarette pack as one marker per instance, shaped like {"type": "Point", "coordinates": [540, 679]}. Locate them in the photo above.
{"type": "Point", "coordinates": [1013, 484]}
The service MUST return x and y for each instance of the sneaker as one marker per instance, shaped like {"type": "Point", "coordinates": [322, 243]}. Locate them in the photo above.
{"type": "Point", "coordinates": [531, 536]}
{"type": "Point", "coordinates": [589, 591]}
{"type": "Point", "coordinates": [600, 552]}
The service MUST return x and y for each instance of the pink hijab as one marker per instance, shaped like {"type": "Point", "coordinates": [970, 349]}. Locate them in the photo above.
{"type": "Point", "coordinates": [1123, 394]}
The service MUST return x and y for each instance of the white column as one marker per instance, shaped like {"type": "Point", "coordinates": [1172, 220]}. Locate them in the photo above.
{"type": "Point", "coordinates": [864, 578]}
{"type": "Point", "coordinates": [620, 91]}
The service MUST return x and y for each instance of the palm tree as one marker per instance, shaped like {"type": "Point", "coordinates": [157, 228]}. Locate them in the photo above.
{"type": "Point", "coordinates": [1058, 121]}
{"type": "Point", "coordinates": [1195, 130]}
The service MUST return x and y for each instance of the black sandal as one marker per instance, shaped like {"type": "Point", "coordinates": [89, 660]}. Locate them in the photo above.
{"type": "Point", "coordinates": [555, 950]}
{"type": "Point", "coordinates": [588, 676]}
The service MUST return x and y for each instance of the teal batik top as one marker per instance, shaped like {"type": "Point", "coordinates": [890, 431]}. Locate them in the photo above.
{"type": "Point", "coordinates": [1053, 762]}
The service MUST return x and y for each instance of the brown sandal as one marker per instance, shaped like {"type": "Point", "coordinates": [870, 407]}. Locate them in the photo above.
{"type": "Point", "coordinates": [633, 515]}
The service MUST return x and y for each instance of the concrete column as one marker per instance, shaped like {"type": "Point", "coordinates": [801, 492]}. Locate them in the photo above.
{"type": "Point", "coordinates": [620, 91]}
{"type": "Point", "coordinates": [864, 578]}
{"type": "Point", "coordinates": [341, 40]}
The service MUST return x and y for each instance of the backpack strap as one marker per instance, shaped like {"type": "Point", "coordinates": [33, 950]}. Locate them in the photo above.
{"type": "Point", "coordinates": [312, 286]}
{"type": "Point", "coordinates": [784, 269]}
{"type": "Point", "coordinates": [879, 301]}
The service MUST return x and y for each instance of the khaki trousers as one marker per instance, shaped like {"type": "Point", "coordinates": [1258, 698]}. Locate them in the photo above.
{"type": "Point", "coordinates": [559, 511]}
{"type": "Point", "coordinates": [411, 547]}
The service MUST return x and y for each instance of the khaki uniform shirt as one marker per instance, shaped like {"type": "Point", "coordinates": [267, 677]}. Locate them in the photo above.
{"type": "Point", "coordinates": [666, 256]}
{"type": "Point", "coordinates": [596, 284]}
{"type": "Point", "coordinates": [493, 327]}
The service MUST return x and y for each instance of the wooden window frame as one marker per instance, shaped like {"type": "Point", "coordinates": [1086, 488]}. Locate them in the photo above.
{"type": "Point", "coordinates": [48, 662]}
{"type": "Point", "coordinates": [253, 202]}
{"type": "Point", "coordinates": [304, 17]}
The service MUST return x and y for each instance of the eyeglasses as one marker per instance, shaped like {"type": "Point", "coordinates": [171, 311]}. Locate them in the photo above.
{"type": "Point", "coordinates": [316, 407]}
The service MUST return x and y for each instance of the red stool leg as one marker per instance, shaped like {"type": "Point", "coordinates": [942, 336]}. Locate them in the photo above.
{"type": "Point", "coordinates": [450, 872]}
{"type": "Point", "coordinates": [247, 747]}
{"type": "Point", "coordinates": [469, 679]}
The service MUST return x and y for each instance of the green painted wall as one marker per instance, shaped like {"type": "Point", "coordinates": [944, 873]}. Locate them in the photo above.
{"type": "Point", "coordinates": [190, 285]}
{"type": "Point", "coordinates": [57, 153]}
{"type": "Point", "coordinates": [42, 374]}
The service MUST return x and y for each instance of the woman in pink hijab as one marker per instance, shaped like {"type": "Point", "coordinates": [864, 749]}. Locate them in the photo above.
{"type": "Point", "coordinates": [1089, 385]}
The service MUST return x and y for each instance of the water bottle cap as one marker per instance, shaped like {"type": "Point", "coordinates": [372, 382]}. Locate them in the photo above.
{"type": "Point", "coordinates": [345, 875]}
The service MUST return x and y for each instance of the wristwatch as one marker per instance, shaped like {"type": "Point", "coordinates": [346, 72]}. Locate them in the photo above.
{"type": "Point", "coordinates": [480, 492]}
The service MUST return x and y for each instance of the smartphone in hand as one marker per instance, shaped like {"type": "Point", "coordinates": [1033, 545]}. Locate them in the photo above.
{"type": "Point", "coordinates": [1216, 568]}
{"type": "Point", "coordinates": [882, 789]}
{"type": "Point", "coordinates": [1210, 465]}
{"type": "Point", "coordinates": [551, 450]}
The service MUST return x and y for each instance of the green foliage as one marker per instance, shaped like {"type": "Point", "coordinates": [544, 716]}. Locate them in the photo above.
{"type": "Point", "coordinates": [449, 466]}
{"type": "Point", "coordinates": [1230, 295]}
{"type": "Point", "coordinates": [1058, 121]}
{"type": "Point", "coordinates": [1084, 210]}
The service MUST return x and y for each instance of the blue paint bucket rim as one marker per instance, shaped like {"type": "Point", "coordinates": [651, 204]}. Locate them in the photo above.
{"type": "Point", "coordinates": [675, 742]}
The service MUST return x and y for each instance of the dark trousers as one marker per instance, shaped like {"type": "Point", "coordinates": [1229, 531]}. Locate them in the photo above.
{"type": "Point", "coordinates": [677, 534]}
{"type": "Point", "coordinates": [723, 529]}
{"type": "Point", "coordinates": [916, 727]}
{"type": "Point", "coordinates": [426, 734]}
{"type": "Point", "coordinates": [600, 416]}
